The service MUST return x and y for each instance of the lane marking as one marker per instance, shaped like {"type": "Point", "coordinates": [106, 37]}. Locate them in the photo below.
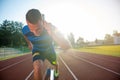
{"type": "Point", "coordinates": [68, 68]}
{"type": "Point", "coordinates": [108, 60]}
{"type": "Point", "coordinates": [116, 61]}
{"type": "Point", "coordinates": [12, 65]}
{"type": "Point", "coordinates": [29, 75]}
{"type": "Point", "coordinates": [52, 74]}
{"type": "Point", "coordinates": [97, 65]}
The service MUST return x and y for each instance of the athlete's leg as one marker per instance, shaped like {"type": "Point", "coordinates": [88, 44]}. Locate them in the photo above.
{"type": "Point", "coordinates": [52, 58]}
{"type": "Point", "coordinates": [38, 69]}
{"type": "Point", "coordinates": [38, 65]}
{"type": "Point", "coordinates": [56, 67]}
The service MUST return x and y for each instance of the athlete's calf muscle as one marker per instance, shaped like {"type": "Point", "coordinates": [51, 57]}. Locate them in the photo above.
{"type": "Point", "coordinates": [38, 69]}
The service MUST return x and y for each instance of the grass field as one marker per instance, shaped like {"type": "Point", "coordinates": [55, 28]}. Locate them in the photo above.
{"type": "Point", "coordinates": [113, 50]}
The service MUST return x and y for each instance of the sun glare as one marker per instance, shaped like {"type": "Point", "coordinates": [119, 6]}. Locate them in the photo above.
{"type": "Point", "coordinates": [85, 20]}
{"type": "Point", "coordinates": [70, 18]}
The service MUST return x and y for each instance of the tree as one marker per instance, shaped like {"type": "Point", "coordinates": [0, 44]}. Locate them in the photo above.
{"type": "Point", "coordinates": [96, 40]}
{"type": "Point", "coordinates": [5, 33]}
{"type": "Point", "coordinates": [80, 42]}
{"type": "Point", "coordinates": [108, 39]}
{"type": "Point", "coordinates": [71, 39]}
{"type": "Point", "coordinates": [116, 33]}
{"type": "Point", "coordinates": [10, 34]}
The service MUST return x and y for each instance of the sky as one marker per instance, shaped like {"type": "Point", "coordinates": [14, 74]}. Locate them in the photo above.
{"type": "Point", "coordinates": [89, 19]}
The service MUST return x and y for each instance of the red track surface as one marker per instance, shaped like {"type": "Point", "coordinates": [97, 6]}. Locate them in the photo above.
{"type": "Point", "coordinates": [72, 65]}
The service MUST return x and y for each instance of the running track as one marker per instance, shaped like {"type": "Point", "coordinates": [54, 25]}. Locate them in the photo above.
{"type": "Point", "coordinates": [73, 65]}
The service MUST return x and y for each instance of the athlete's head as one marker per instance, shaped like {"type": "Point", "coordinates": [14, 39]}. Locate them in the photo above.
{"type": "Point", "coordinates": [34, 19]}
{"type": "Point", "coordinates": [33, 16]}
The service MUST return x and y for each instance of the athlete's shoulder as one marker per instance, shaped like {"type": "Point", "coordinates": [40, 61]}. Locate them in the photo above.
{"type": "Point", "coordinates": [25, 29]}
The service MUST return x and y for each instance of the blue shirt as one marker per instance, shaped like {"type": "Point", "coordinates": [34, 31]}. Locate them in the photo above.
{"type": "Point", "coordinates": [42, 43]}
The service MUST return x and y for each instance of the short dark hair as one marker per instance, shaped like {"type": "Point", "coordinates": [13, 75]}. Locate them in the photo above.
{"type": "Point", "coordinates": [33, 15]}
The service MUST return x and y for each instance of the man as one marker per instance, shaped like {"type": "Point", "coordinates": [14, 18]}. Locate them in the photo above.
{"type": "Point", "coordinates": [39, 36]}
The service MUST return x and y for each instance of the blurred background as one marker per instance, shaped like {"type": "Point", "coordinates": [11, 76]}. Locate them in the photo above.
{"type": "Point", "coordinates": [85, 23]}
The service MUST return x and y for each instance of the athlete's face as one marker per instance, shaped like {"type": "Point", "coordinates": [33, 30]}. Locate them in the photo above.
{"type": "Point", "coordinates": [36, 28]}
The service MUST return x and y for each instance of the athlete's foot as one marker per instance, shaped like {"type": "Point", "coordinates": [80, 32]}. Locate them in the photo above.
{"type": "Point", "coordinates": [56, 74]}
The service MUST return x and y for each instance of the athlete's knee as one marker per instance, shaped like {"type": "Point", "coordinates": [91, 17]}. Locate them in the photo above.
{"type": "Point", "coordinates": [54, 62]}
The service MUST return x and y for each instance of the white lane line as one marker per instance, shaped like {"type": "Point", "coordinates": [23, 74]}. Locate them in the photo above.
{"type": "Point", "coordinates": [52, 74]}
{"type": "Point", "coordinates": [29, 75]}
{"type": "Point", "coordinates": [12, 65]}
{"type": "Point", "coordinates": [116, 61]}
{"type": "Point", "coordinates": [98, 65]}
{"type": "Point", "coordinates": [68, 68]}
{"type": "Point", "coordinates": [108, 60]}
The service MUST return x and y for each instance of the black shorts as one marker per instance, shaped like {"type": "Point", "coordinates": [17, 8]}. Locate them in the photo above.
{"type": "Point", "coordinates": [51, 57]}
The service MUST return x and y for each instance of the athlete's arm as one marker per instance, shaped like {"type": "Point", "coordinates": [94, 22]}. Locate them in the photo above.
{"type": "Point", "coordinates": [57, 36]}
{"type": "Point", "coordinates": [28, 42]}
{"type": "Point", "coordinates": [60, 40]}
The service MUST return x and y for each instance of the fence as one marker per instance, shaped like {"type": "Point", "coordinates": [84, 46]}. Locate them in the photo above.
{"type": "Point", "coordinates": [7, 52]}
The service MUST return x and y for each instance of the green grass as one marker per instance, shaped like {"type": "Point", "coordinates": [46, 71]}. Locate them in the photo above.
{"type": "Point", "coordinates": [112, 50]}
{"type": "Point", "coordinates": [12, 56]}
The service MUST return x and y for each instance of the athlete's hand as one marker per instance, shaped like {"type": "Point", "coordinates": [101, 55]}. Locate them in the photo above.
{"type": "Point", "coordinates": [30, 46]}
{"type": "Point", "coordinates": [48, 27]}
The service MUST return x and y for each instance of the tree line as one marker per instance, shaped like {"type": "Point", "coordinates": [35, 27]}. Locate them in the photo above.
{"type": "Point", "coordinates": [11, 34]}
{"type": "Point", "coordinates": [108, 40]}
